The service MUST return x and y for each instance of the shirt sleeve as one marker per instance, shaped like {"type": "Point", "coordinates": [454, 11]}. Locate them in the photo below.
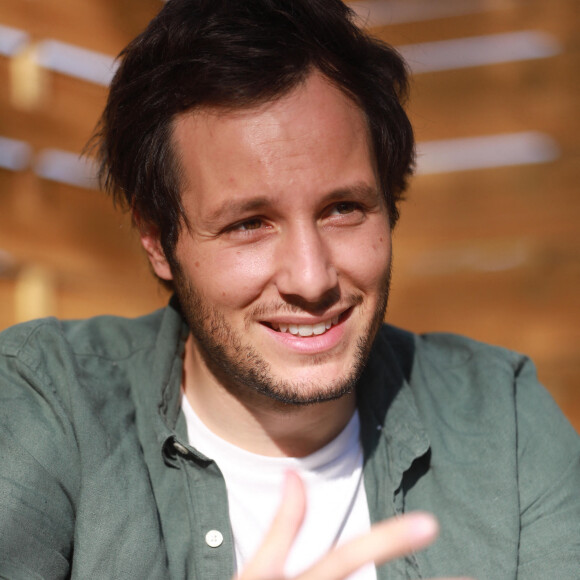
{"type": "Point", "coordinates": [36, 476]}
{"type": "Point", "coordinates": [549, 484]}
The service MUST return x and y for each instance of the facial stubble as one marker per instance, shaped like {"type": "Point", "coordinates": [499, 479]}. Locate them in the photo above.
{"type": "Point", "coordinates": [244, 372]}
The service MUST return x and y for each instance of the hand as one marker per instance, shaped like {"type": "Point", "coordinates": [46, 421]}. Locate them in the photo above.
{"type": "Point", "coordinates": [385, 541]}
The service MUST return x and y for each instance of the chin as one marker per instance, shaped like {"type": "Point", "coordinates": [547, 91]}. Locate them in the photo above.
{"type": "Point", "coordinates": [308, 386]}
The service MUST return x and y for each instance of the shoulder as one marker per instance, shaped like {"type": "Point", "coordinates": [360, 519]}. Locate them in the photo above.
{"type": "Point", "coordinates": [53, 373]}
{"type": "Point", "coordinates": [69, 441]}
{"type": "Point", "coordinates": [57, 375]}
{"type": "Point", "coordinates": [105, 336]}
{"type": "Point", "coordinates": [500, 451]}
{"type": "Point", "coordinates": [63, 380]}
{"type": "Point", "coordinates": [476, 388]}
{"type": "Point", "coordinates": [446, 363]}
{"type": "Point", "coordinates": [449, 351]}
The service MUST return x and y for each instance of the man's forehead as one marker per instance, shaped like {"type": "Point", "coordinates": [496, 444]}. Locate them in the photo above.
{"type": "Point", "coordinates": [313, 138]}
{"type": "Point", "coordinates": [313, 97]}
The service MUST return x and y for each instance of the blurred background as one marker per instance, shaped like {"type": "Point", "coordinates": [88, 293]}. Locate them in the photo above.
{"type": "Point", "coordinates": [489, 240]}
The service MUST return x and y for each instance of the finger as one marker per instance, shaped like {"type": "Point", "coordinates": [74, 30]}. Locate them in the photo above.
{"type": "Point", "coordinates": [269, 561]}
{"type": "Point", "coordinates": [387, 540]}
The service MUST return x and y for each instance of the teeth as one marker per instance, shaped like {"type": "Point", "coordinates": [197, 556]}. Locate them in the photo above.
{"type": "Point", "coordinates": [319, 328]}
{"type": "Point", "coordinates": [307, 329]}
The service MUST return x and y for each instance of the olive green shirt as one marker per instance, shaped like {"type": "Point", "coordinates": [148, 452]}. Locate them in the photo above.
{"type": "Point", "coordinates": [98, 480]}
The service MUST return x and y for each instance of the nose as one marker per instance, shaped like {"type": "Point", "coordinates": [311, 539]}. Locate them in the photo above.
{"type": "Point", "coordinates": [305, 272]}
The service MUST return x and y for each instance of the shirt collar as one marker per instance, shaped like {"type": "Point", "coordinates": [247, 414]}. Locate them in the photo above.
{"type": "Point", "coordinates": [161, 386]}
{"type": "Point", "coordinates": [389, 415]}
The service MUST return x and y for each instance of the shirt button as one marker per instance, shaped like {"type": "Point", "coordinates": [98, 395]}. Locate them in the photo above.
{"type": "Point", "coordinates": [181, 449]}
{"type": "Point", "coordinates": [214, 539]}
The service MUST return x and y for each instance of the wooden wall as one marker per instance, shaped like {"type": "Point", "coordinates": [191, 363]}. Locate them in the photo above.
{"type": "Point", "coordinates": [493, 253]}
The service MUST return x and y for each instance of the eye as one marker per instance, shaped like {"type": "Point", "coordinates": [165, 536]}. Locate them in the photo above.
{"type": "Point", "coordinates": [345, 213]}
{"type": "Point", "coordinates": [249, 229]}
{"type": "Point", "coordinates": [248, 225]}
{"type": "Point", "coordinates": [344, 207]}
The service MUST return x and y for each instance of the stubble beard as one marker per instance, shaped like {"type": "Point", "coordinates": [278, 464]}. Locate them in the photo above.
{"type": "Point", "coordinates": [241, 369]}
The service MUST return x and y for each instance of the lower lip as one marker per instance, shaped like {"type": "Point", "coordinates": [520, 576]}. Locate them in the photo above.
{"type": "Point", "coordinates": [315, 344]}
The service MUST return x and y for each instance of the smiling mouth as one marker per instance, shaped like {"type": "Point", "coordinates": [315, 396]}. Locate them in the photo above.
{"type": "Point", "coordinates": [305, 330]}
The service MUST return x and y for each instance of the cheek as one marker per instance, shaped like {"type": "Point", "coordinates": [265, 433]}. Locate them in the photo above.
{"type": "Point", "coordinates": [365, 259]}
{"type": "Point", "coordinates": [231, 278]}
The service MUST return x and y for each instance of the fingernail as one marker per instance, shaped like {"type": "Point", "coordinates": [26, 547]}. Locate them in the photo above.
{"type": "Point", "coordinates": [424, 524]}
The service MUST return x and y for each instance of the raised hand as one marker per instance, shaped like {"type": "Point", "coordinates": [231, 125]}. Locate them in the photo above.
{"type": "Point", "coordinates": [385, 541]}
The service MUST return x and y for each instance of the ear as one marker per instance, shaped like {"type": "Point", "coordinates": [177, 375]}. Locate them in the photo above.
{"type": "Point", "coordinates": [151, 242]}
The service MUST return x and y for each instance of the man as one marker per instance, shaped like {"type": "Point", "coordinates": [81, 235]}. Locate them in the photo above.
{"type": "Point", "coordinates": [266, 419]}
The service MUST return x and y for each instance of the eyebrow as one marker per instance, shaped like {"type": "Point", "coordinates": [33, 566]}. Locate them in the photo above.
{"type": "Point", "coordinates": [359, 191]}
{"type": "Point", "coordinates": [236, 208]}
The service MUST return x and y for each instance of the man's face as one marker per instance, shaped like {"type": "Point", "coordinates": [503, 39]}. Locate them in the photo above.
{"type": "Point", "coordinates": [283, 273]}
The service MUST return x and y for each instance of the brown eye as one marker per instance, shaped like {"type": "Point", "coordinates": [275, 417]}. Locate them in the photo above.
{"type": "Point", "coordinates": [253, 224]}
{"type": "Point", "coordinates": [344, 207]}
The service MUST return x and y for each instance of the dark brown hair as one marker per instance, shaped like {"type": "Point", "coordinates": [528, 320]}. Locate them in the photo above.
{"type": "Point", "coordinates": [236, 54]}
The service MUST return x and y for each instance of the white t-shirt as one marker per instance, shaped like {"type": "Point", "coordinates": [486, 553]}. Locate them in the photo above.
{"type": "Point", "coordinates": [337, 508]}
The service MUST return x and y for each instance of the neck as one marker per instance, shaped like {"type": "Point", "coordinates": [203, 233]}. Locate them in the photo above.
{"type": "Point", "coordinates": [257, 423]}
